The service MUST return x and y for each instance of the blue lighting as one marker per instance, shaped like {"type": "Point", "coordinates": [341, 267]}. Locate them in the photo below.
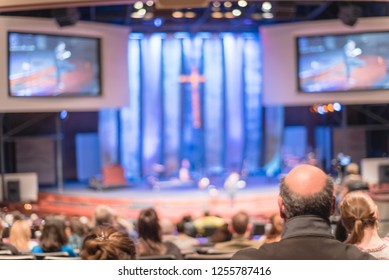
{"type": "Point", "coordinates": [320, 110]}
{"type": "Point", "coordinates": [63, 115]}
{"type": "Point", "coordinates": [337, 107]}
{"type": "Point", "coordinates": [157, 22]}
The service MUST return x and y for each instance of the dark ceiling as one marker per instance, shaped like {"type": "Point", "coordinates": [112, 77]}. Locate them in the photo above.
{"type": "Point", "coordinates": [217, 17]}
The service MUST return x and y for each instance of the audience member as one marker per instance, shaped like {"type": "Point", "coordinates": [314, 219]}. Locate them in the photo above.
{"type": "Point", "coordinates": [207, 221]}
{"type": "Point", "coordinates": [20, 236]}
{"type": "Point", "coordinates": [240, 238]}
{"type": "Point", "coordinates": [107, 243]}
{"type": "Point", "coordinates": [150, 237]}
{"type": "Point", "coordinates": [221, 234]}
{"type": "Point", "coordinates": [305, 202]}
{"type": "Point", "coordinates": [181, 240]}
{"type": "Point", "coordinates": [53, 238]}
{"type": "Point", "coordinates": [5, 246]}
{"type": "Point", "coordinates": [104, 215]}
{"type": "Point", "coordinates": [353, 181]}
{"type": "Point", "coordinates": [359, 215]}
{"type": "Point", "coordinates": [78, 230]}
{"type": "Point", "coordinates": [275, 231]}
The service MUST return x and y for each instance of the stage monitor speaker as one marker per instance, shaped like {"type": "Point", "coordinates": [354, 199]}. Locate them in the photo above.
{"type": "Point", "coordinates": [13, 190]}
{"type": "Point", "coordinates": [182, 4]}
{"type": "Point", "coordinates": [383, 173]}
{"type": "Point", "coordinates": [349, 14]}
{"type": "Point", "coordinates": [66, 16]}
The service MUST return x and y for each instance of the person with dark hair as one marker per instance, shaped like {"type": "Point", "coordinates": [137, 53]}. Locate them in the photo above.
{"type": "Point", "coordinates": [150, 237]}
{"type": "Point", "coordinates": [359, 214]}
{"type": "Point", "coordinates": [54, 238]}
{"type": "Point", "coordinates": [241, 228]}
{"type": "Point", "coordinates": [107, 243]}
{"type": "Point", "coordinates": [306, 202]}
{"type": "Point", "coordinates": [5, 246]}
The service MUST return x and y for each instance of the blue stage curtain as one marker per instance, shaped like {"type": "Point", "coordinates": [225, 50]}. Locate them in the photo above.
{"type": "Point", "coordinates": [108, 136]}
{"type": "Point", "coordinates": [131, 116]}
{"type": "Point", "coordinates": [218, 130]}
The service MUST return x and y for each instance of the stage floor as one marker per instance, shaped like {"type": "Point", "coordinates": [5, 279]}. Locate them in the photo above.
{"type": "Point", "coordinates": [258, 198]}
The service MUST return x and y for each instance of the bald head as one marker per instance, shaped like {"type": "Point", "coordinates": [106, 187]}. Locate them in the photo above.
{"type": "Point", "coordinates": [306, 180]}
{"type": "Point", "coordinates": [306, 190]}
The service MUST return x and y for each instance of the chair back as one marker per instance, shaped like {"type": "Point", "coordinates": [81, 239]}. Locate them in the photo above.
{"type": "Point", "coordinates": [61, 258]}
{"type": "Point", "coordinates": [162, 257]}
{"type": "Point", "coordinates": [17, 257]}
{"type": "Point", "coordinates": [5, 252]}
{"type": "Point", "coordinates": [41, 256]}
{"type": "Point", "coordinates": [208, 257]}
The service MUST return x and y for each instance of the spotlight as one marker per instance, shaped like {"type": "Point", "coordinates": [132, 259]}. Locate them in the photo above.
{"type": "Point", "coordinates": [337, 107]}
{"type": "Point", "coordinates": [349, 14]}
{"type": "Point", "coordinates": [63, 114]}
{"type": "Point", "coordinates": [157, 22]}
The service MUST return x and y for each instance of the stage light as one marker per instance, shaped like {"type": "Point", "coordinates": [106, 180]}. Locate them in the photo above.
{"type": "Point", "coordinates": [138, 5]}
{"type": "Point", "coordinates": [178, 14]}
{"type": "Point", "coordinates": [150, 3]}
{"type": "Point", "coordinates": [330, 107]}
{"type": "Point", "coordinates": [228, 15]}
{"type": "Point", "coordinates": [27, 207]}
{"type": "Point", "coordinates": [227, 4]}
{"type": "Point", "coordinates": [190, 14]}
{"type": "Point", "coordinates": [320, 110]}
{"type": "Point", "coordinates": [266, 7]}
{"type": "Point", "coordinates": [337, 107]}
{"type": "Point", "coordinates": [268, 15]}
{"type": "Point", "coordinates": [157, 22]}
{"type": "Point", "coordinates": [242, 3]}
{"type": "Point", "coordinates": [236, 12]}
{"type": "Point", "coordinates": [217, 15]}
{"type": "Point", "coordinates": [63, 114]}
{"type": "Point", "coordinates": [216, 4]}
{"type": "Point", "coordinates": [142, 12]}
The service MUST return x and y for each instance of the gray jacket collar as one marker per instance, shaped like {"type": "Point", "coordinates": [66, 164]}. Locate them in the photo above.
{"type": "Point", "coordinates": [307, 225]}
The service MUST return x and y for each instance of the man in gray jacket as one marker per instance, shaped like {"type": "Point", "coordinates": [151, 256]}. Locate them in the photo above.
{"type": "Point", "coordinates": [306, 202]}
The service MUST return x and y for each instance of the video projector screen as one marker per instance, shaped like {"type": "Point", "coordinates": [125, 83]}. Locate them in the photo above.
{"type": "Point", "coordinates": [48, 65]}
{"type": "Point", "coordinates": [343, 62]}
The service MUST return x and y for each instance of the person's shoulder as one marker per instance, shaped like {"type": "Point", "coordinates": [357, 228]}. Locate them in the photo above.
{"type": "Point", "coordinates": [353, 253]}
{"type": "Point", "coordinates": [263, 253]}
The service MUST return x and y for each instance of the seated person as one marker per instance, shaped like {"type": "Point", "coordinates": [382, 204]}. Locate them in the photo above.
{"type": "Point", "coordinates": [54, 238]}
{"type": "Point", "coordinates": [241, 229]}
{"type": "Point", "coordinates": [150, 237]}
{"type": "Point", "coordinates": [359, 215]}
{"type": "Point", "coordinates": [306, 202]}
{"type": "Point", "coordinates": [5, 246]}
{"type": "Point", "coordinates": [107, 243]}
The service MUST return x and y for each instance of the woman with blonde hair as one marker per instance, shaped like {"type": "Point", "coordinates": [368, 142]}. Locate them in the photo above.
{"type": "Point", "coordinates": [359, 215]}
{"type": "Point", "coordinates": [20, 236]}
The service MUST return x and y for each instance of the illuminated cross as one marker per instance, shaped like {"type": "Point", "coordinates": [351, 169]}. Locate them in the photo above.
{"type": "Point", "coordinates": [194, 79]}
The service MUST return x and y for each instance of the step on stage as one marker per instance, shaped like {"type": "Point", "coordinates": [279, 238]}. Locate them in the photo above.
{"type": "Point", "coordinates": [170, 199]}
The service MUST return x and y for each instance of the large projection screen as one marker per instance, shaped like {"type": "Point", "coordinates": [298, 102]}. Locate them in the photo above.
{"type": "Point", "coordinates": [280, 83]}
{"type": "Point", "coordinates": [114, 72]}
